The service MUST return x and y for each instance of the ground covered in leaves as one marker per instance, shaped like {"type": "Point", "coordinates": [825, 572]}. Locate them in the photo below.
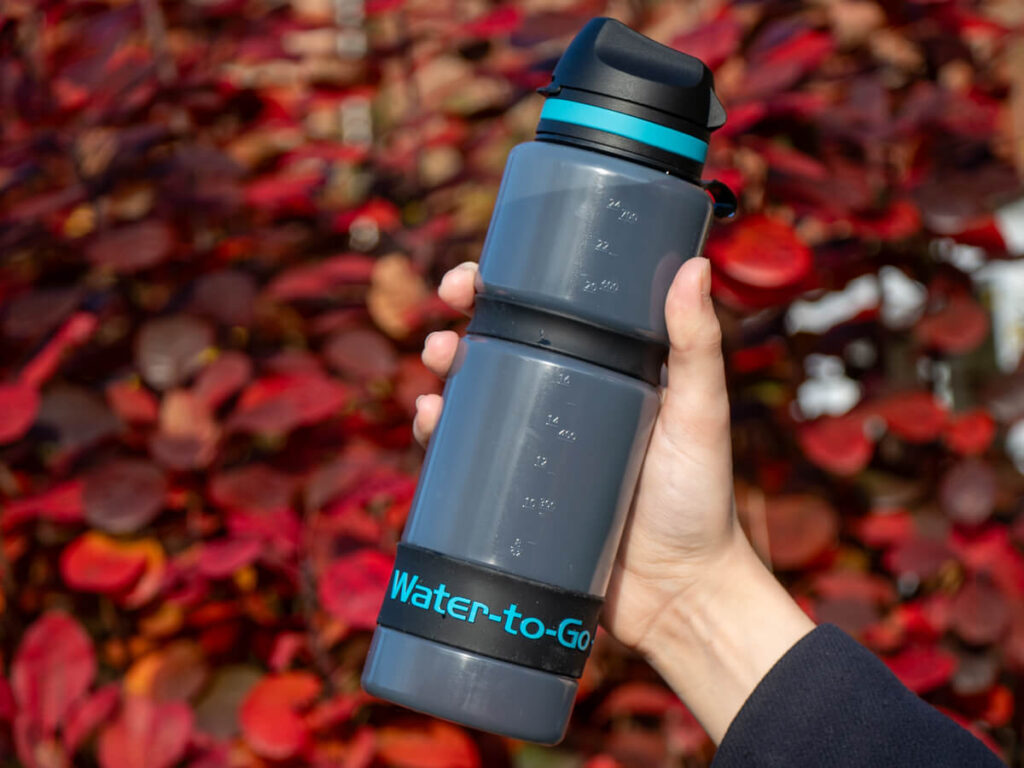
{"type": "Point", "coordinates": [221, 222]}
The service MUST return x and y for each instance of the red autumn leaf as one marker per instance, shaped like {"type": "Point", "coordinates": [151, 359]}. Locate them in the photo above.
{"type": "Point", "coordinates": [133, 247]}
{"type": "Point", "coordinates": [61, 504]}
{"type": "Point", "coordinates": [146, 734]}
{"type": "Point", "coordinates": [760, 252]}
{"type": "Point", "coordinates": [8, 706]}
{"type": "Point", "coordinates": [352, 587]}
{"type": "Point", "coordinates": [361, 354]}
{"type": "Point", "coordinates": [220, 559]}
{"type": "Point", "coordinates": [801, 528]}
{"type": "Point", "coordinates": [745, 298]}
{"type": "Point", "coordinates": [254, 486]}
{"type": "Point", "coordinates": [95, 562]}
{"type": "Point", "coordinates": [151, 582]}
{"type": "Point", "coordinates": [75, 331]}
{"type": "Point", "coordinates": [384, 214]}
{"type": "Point", "coordinates": [922, 668]}
{"type": "Point", "coordinates": [19, 404]}
{"type": "Point", "coordinates": [88, 714]}
{"type": "Point", "coordinates": [53, 668]}
{"type": "Point", "coordinates": [712, 42]}
{"type": "Point", "coordinates": [957, 328]}
{"type": "Point", "coordinates": [132, 403]}
{"type": "Point", "coordinates": [222, 378]}
{"type": "Point", "coordinates": [285, 192]}
{"type": "Point", "coordinates": [500, 21]}
{"type": "Point", "coordinates": [853, 585]}
{"type": "Point", "coordinates": [999, 707]}
{"type": "Point", "coordinates": [884, 527]}
{"type": "Point", "coordinates": [899, 220]}
{"type": "Point", "coordinates": [169, 350]}
{"type": "Point", "coordinates": [981, 614]}
{"type": "Point", "coordinates": [175, 672]}
{"type": "Point", "coordinates": [318, 280]}
{"type": "Point", "coordinates": [271, 717]}
{"type": "Point", "coordinates": [124, 495]}
{"type": "Point", "coordinates": [970, 433]}
{"type": "Point", "coordinates": [967, 492]}
{"type": "Point", "coordinates": [919, 557]}
{"type": "Point", "coordinates": [280, 403]}
{"type": "Point", "coordinates": [437, 745]}
{"type": "Point", "coordinates": [638, 698]}
{"type": "Point", "coordinates": [914, 416]}
{"type": "Point", "coordinates": [989, 550]}
{"type": "Point", "coordinates": [837, 443]}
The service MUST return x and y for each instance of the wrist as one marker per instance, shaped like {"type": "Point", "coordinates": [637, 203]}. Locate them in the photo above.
{"type": "Point", "coordinates": [721, 633]}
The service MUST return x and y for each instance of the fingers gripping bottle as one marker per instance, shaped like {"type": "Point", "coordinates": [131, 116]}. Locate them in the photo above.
{"type": "Point", "coordinates": [493, 603]}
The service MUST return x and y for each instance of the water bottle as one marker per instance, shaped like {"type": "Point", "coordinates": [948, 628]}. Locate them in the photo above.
{"type": "Point", "coordinates": [493, 604]}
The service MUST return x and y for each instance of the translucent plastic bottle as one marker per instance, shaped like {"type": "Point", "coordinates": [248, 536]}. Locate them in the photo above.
{"type": "Point", "coordinates": [492, 608]}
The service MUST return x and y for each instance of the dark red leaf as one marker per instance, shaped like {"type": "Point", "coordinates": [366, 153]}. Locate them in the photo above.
{"type": "Point", "coordinates": [918, 557]}
{"type": "Point", "coordinates": [169, 350]}
{"type": "Point", "coordinates": [53, 668]}
{"type": "Point", "coordinates": [124, 495]}
{"type": "Point", "coordinates": [981, 614]}
{"type": "Point", "coordinates": [133, 247]}
{"type": "Point", "coordinates": [801, 528]}
{"type": "Point", "coordinates": [254, 486]}
{"type": "Point", "coordinates": [968, 492]}
{"type": "Point", "coordinates": [956, 329]}
{"type": "Point", "coordinates": [361, 354]}
{"type": "Point", "coordinates": [352, 588]}
{"type": "Point", "coordinates": [222, 378]}
{"type": "Point", "coordinates": [271, 715]}
{"type": "Point", "coordinates": [146, 735]}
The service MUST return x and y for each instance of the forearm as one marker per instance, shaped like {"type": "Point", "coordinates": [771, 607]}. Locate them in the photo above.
{"type": "Point", "coordinates": [715, 642]}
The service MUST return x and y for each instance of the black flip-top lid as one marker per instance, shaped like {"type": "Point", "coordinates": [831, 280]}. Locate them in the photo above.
{"type": "Point", "coordinates": [656, 91]}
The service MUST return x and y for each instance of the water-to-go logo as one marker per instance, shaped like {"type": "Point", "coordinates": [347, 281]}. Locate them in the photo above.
{"type": "Point", "coordinates": [406, 588]}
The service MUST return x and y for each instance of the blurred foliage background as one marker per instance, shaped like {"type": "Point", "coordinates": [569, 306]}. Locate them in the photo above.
{"type": "Point", "coordinates": [221, 223]}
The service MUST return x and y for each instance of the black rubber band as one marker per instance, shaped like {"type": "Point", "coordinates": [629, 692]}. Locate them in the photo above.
{"type": "Point", "coordinates": [639, 358]}
{"type": "Point", "coordinates": [489, 612]}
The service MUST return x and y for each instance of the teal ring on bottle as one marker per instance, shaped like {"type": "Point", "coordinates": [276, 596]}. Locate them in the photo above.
{"type": "Point", "coordinates": [627, 126]}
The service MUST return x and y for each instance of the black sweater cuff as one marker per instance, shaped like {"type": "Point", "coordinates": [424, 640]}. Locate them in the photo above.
{"type": "Point", "coordinates": [831, 702]}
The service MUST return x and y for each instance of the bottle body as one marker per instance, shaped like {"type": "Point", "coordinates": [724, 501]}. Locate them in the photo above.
{"type": "Point", "coordinates": [534, 461]}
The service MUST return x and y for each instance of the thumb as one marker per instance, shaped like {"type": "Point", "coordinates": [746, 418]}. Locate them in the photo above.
{"type": "Point", "coordinates": [696, 403]}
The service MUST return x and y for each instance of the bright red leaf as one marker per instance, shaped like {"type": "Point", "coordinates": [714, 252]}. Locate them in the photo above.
{"type": "Point", "coordinates": [760, 252]}
{"type": "Point", "coordinates": [922, 668]}
{"type": "Point", "coordinates": [801, 528]}
{"type": "Point", "coordinates": [19, 404]}
{"type": "Point", "coordinates": [53, 668]}
{"type": "Point", "coordinates": [271, 716]}
{"type": "Point", "coordinates": [436, 745]}
{"type": "Point", "coordinates": [914, 416]}
{"type": "Point", "coordinates": [95, 562]}
{"type": "Point", "coordinates": [957, 328]}
{"type": "Point", "coordinates": [837, 443]}
{"type": "Point", "coordinates": [970, 433]}
{"type": "Point", "coordinates": [146, 734]}
{"type": "Point", "coordinates": [352, 587]}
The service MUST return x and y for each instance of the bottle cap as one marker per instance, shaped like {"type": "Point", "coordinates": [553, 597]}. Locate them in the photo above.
{"type": "Point", "coordinates": [618, 92]}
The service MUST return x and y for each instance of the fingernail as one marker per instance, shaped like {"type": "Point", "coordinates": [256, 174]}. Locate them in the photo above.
{"type": "Point", "coordinates": [426, 341]}
{"type": "Point", "coordinates": [705, 278]}
{"type": "Point", "coordinates": [467, 265]}
{"type": "Point", "coordinates": [417, 403]}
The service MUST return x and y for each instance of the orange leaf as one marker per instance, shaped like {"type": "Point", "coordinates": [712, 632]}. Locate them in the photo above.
{"type": "Point", "coordinates": [439, 745]}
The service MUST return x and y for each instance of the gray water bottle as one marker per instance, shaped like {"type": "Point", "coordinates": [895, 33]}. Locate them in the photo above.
{"type": "Point", "coordinates": [492, 607]}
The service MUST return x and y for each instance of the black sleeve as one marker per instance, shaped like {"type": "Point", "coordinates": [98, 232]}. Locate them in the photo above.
{"type": "Point", "coordinates": [830, 702]}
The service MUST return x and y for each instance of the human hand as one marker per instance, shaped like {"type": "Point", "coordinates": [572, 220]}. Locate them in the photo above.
{"type": "Point", "coordinates": [686, 581]}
